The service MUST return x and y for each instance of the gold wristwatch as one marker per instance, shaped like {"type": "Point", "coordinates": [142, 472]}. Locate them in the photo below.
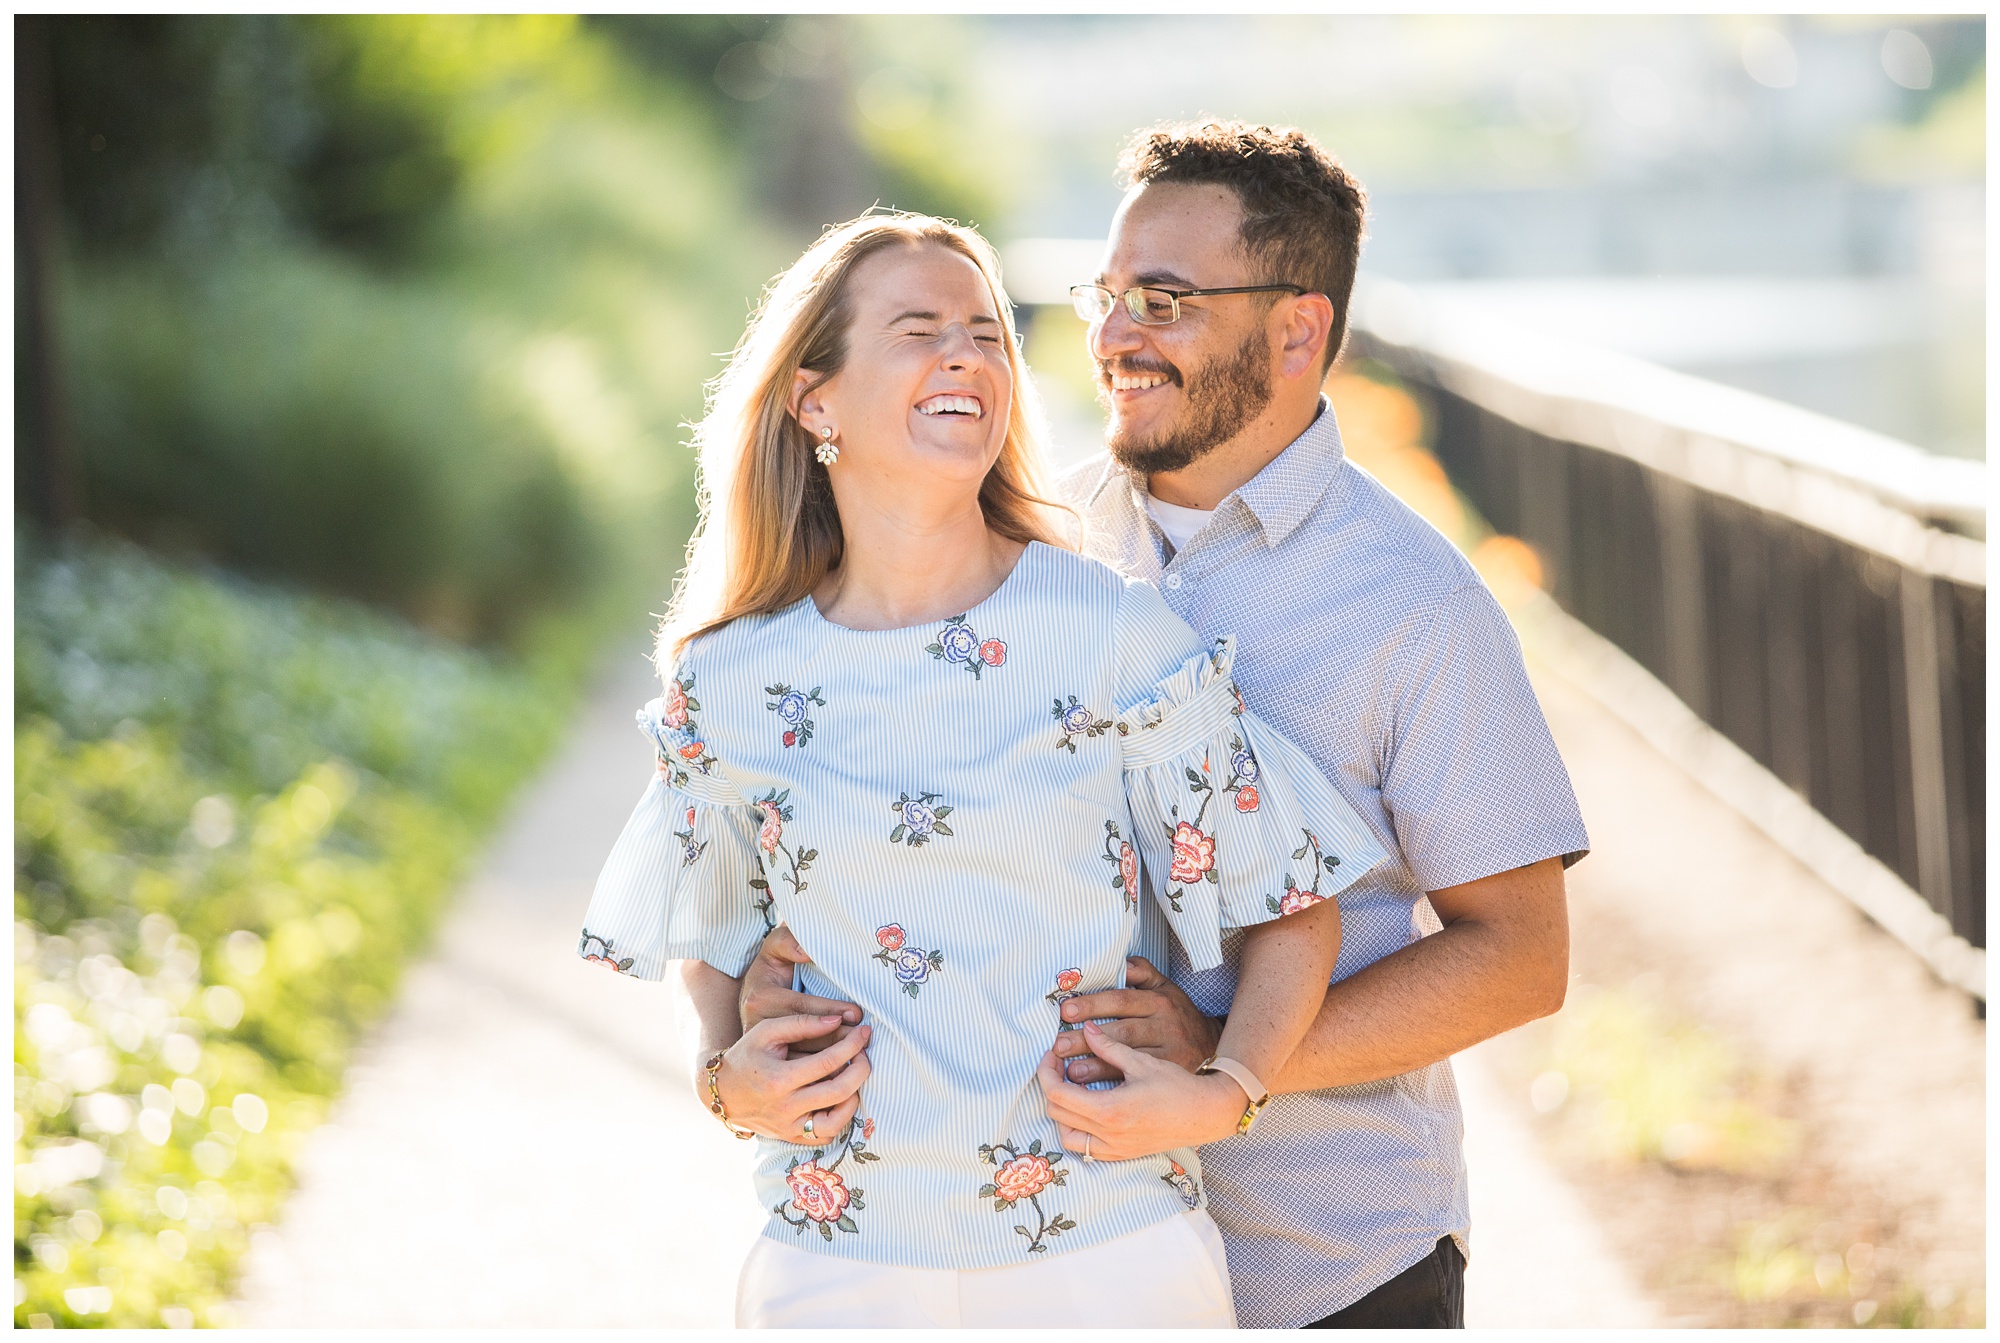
{"type": "Point", "coordinates": [1259, 1094]}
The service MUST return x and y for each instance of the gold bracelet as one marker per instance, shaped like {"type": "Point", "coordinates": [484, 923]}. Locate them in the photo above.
{"type": "Point", "coordinates": [711, 1067]}
{"type": "Point", "coordinates": [1255, 1090]}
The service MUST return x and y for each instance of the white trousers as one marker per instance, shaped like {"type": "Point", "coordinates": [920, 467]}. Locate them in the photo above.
{"type": "Point", "coordinates": [1171, 1275]}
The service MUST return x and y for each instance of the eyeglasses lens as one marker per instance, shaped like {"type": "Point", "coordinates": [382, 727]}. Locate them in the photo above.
{"type": "Point", "coordinates": [1151, 307]}
{"type": "Point", "coordinates": [1092, 302]}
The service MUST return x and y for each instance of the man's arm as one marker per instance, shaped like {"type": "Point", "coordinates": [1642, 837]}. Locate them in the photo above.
{"type": "Point", "coordinates": [1501, 959]}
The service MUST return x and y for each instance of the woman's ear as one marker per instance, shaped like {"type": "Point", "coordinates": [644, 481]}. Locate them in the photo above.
{"type": "Point", "coordinates": [807, 402]}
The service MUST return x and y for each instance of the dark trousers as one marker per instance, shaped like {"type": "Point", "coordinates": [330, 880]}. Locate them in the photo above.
{"type": "Point", "coordinates": [1430, 1294]}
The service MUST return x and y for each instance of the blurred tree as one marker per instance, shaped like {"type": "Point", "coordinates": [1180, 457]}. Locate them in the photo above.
{"type": "Point", "coordinates": [44, 448]}
{"type": "Point", "coordinates": [828, 115]}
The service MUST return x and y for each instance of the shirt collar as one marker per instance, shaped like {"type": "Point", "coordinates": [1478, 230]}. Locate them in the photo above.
{"type": "Point", "coordinates": [1286, 491]}
{"type": "Point", "coordinates": [1290, 486]}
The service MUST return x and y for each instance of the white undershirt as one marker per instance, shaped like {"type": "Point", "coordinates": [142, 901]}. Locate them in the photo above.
{"type": "Point", "coordinates": [1180, 524]}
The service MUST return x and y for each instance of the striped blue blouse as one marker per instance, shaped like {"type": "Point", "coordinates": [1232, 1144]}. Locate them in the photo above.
{"type": "Point", "coordinates": [958, 822]}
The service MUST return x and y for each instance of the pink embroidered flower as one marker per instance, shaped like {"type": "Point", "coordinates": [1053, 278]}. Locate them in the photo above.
{"type": "Point", "coordinates": [818, 1193]}
{"type": "Point", "coordinates": [675, 709]}
{"type": "Point", "coordinates": [1246, 797]}
{"type": "Point", "coordinates": [890, 937]}
{"type": "Point", "coordinates": [1068, 980]}
{"type": "Point", "coordinates": [692, 750]}
{"type": "Point", "coordinates": [1023, 1177]}
{"type": "Point", "coordinates": [791, 738]}
{"type": "Point", "coordinates": [1128, 868]}
{"type": "Point", "coordinates": [690, 815]}
{"type": "Point", "coordinates": [1194, 853]}
{"type": "Point", "coordinates": [1178, 1168]}
{"type": "Point", "coordinates": [1296, 900]}
{"type": "Point", "coordinates": [867, 1128]}
{"type": "Point", "coordinates": [773, 829]}
{"type": "Point", "coordinates": [993, 652]}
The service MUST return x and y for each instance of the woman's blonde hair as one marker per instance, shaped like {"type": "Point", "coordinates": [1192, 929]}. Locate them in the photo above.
{"type": "Point", "coordinates": [769, 531]}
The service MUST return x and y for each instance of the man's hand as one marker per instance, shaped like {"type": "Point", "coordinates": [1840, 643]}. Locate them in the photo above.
{"type": "Point", "coordinates": [1152, 1016]}
{"type": "Point", "coordinates": [767, 992]}
{"type": "Point", "coordinates": [1159, 1107]}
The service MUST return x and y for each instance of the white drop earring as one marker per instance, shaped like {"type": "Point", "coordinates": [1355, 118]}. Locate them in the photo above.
{"type": "Point", "coordinates": [824, 450]}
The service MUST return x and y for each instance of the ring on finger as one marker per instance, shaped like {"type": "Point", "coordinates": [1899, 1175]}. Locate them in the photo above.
{"type": "Point", "coordinates": [1086, 1148]}
{"type": "Point", "coordinates": [810, 1135]}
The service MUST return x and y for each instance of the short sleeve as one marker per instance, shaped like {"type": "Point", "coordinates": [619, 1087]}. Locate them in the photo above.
{"type": "Point", "coordinates": [1234, 824]}
{"type": "Point", "coordinates": [1472, 778]}
{"type": "Point", "coordinates": [683, 882]}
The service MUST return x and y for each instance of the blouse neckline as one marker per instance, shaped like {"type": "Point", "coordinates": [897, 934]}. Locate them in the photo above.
{"type": "Point", "coordinates": [810, 608]}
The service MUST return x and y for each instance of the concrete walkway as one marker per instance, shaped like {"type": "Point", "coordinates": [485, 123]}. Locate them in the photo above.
{"type": "Point", "coordinates": [518, 1144]}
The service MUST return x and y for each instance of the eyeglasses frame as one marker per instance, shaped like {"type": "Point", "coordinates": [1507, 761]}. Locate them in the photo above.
{"type": "Point", "coordinates": [1175, 296]}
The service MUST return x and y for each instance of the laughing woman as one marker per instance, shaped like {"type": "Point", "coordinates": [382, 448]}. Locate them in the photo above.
{"type": "Point", "coordinates": [970, 770]}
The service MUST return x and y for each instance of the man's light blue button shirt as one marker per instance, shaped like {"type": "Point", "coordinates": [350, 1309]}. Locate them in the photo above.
{"type": "Point", "coordinates": [1371, 642]}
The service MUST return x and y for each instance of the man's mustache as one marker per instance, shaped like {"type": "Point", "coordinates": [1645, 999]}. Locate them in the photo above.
{"type": "Point", "coordinates": [1133, 367]}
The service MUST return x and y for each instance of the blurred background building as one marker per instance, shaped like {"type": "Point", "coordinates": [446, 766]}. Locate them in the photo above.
{"type": "Point", "coordinates": [353, 360]}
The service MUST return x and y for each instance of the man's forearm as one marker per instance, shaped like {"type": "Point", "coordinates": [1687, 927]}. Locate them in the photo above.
{"type": "Point", "coordinates": [708, 1015]}
{"type": "Point", "coordinates": [1480, 975]}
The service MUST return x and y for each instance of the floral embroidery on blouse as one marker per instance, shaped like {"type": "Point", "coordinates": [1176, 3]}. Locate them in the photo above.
{"type": "Point", "coordinates": [1065, 988]}
{"type": "Point", "coordinates": [690, 848]}
{"type": "Point", "coordinates": [677, 744]}
{"type": "Point", "coordinates": [1025, 1176]}
{"type": "Point", "coordinates": [1243, 775]}
{"type": "Point", "coordinates": [957, 643]}
{"type": "Point", "coordinates": [1077, 721]}
{"type": "Point", "coordinates": [913, 965]}
{"type": "Point", "coordinates": [918, 818]}
{"type": "Point", "coordinates": [1294, 898]}
{"type": "Point", "coordinates": [790, 862]}
{"type": "Point", "coordinates": [1124, 860]}
{"type": "Point", "coordinates": [794, 710]}
{"type": "Point", "coordinates": [1183, 1183]}
{"type": "Point", "coordinates": [819, 1194]}
{"type": "Point", "coordinates": [601, 952]}
{"type": "Point", "coordinates": [1194, 848]}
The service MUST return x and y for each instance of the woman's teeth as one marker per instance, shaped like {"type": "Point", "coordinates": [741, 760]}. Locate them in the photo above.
{"type": "Point", "coordinates": [950, 405]}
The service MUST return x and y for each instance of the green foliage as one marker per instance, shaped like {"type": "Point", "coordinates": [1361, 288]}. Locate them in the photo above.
{"type": "Point", "coordinates": [236, 814]}
{"type": "Point", "coordinates": [407, 308]}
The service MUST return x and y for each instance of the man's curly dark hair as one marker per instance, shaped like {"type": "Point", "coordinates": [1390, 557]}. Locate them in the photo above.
{"type": "Point", "coordinates": [1302, 212]}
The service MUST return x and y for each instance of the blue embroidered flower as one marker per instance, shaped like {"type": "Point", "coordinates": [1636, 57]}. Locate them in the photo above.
{"type": "Point", "coordinates": [959, 642]}
{"type": "Point", "coordinates": [1077, 721]}
{"type": "Point", "coordinates": [918, 818]}
{"type": "Point", "coordinates": [792, 707]}
{"type": "Point", "coordinates": [913, 965]}
{"type": "Point", "coordinates": [1245, 766]}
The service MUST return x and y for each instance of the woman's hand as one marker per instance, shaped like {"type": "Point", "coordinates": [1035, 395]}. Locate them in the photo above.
{"type": "Point", "coordinates": [1159, 1106]}
{"type": "Point", "coordinates": [767, 1091]}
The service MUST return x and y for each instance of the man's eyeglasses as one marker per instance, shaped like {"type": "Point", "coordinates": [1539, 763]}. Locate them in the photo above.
{"type": "Point", "coordinates": [1150, 305]}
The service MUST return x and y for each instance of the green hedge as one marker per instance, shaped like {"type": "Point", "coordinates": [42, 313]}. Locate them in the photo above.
{"type": "Point", "coordinates": [237, 812]}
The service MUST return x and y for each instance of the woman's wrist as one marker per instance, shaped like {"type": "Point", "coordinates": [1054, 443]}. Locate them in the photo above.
{"type": "Point", "coordinates": [1222, 1106]}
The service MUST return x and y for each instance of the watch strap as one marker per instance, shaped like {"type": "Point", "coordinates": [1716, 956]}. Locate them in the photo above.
{"type": "Point", "coordinates": [1259, 1095]}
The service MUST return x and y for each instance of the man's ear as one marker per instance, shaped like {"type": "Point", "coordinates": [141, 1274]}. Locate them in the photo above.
{"type": "Point", "coordinates": [1306, 326]}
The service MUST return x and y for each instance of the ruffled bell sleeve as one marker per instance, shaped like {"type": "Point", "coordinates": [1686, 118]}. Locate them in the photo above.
{"type": "Point", "coordinates": [1233, 823]}
{"type": "Point", "coordinates": [685, 880]}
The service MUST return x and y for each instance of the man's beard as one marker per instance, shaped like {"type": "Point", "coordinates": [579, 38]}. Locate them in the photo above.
{"type": "Point", "coordinates": [1221, 397]}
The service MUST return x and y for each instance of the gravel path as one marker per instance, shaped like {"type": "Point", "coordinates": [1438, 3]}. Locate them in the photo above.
{"type": "Point", "coordinates": [517, 1145]}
